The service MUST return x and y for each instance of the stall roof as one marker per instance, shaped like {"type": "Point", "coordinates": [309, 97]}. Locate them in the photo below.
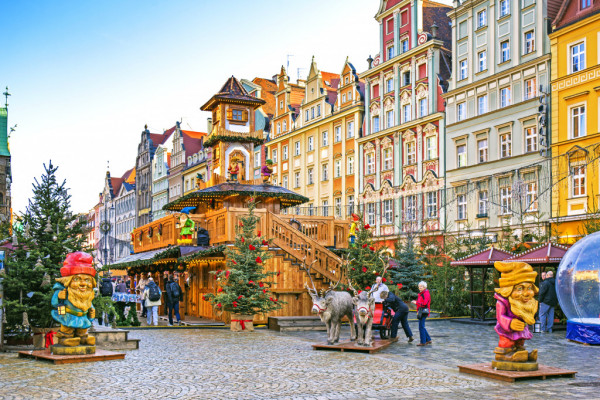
{"type": "Point", "coordinates": [483, 258]}
{"type": "Point", "coordinates": [547, 253]}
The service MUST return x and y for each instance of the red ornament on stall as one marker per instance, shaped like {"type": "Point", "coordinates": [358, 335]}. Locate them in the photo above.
{"type": "Point", "coordinates": [260, 284]}
{"type": "Point", "coordinates": [227, 274]}
{"type": "Point", "coordinates": [264, 242]}
{"type": "Point", "coordinates": [250, 282]}
{"type": "Point", "coordinates": [258, 234]}
{"type": "Point", "coordinates": [219, 290]}
{"type": "Point", "coordinates": [258, 260]}
{"type": "Point", "coordinates": [240, 297]}
{"type": "Point", "coordinates": [368, 288]}
{"type": "Point", "coordinates": [367, 226]}
{"type": "Point", "coordinates": [243, 240]}
{"type": "Point", "coordinates": [364, 269]}
{"type": "Point", "coordinates": [219, 305]}
{"type": "Point", "coordinates": [384, 280]}
{"type": "Point", "coordinates": [234, 304]}
{"type": "Point", "coordinates": [399, 286]}
{"type": "Point", "coordinates": [371, 248]}
{"type": "Point", "coordinates": [252, 247]}
{"type": "Point", "coordinates": [364, 246]}
{"type": "Point", "coordinates": [264, 290]}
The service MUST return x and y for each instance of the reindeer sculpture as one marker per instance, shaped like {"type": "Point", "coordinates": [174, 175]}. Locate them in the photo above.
{"type": "Point", "coordinates": [364, 304]}
{"type": "Point", "coordinates": [331, 306]}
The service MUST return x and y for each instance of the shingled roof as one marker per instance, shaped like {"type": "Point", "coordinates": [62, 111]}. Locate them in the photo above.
{"type": "Point", "coordinates": [232, 92]}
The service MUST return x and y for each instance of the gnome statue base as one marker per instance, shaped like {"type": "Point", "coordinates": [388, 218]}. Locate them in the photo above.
{"type": "Point", "coordinates": [73, 309]}
{"type": "Point", "coordinates": [515, 310]}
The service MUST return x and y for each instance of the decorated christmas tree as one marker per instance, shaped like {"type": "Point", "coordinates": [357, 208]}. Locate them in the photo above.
{"type": "Point", "coordinates": [365, 263]}
{"type": "Point", "coordinates": [410, 269]}
{"type": "Point", "coordinates": [50, 231]}
{"type": "Point", "coordinates": [243, 288]}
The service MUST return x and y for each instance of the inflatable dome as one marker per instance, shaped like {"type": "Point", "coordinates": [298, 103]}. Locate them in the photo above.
{"type": "Point", "coordinates": [578, 289]}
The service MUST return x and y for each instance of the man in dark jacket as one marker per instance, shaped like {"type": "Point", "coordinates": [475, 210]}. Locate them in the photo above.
{"type": "Point", "coordinates": [390, 300]}
{"type": "Point", "coordinates": [174, 296]}
{"type": "Point", "coordinates": [548, 301]}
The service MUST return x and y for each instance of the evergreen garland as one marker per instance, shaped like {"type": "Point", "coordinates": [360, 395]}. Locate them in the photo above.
{"type": "Point", "coordinates": [244, 287]}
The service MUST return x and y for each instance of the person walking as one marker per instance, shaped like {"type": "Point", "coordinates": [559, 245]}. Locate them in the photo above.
{"type": "Point", "coordinates": [141, 287]}
{"type": "Point", "coordinates": [151, 295]}
{"type": "Point", "coordinates": [423, 303]}
{"type": "Point", "coordinates": [548, 301]}
{"type": "Point", "coordinates": [174, 296]}
{"type": "Point", "coordinates": [391, 301]}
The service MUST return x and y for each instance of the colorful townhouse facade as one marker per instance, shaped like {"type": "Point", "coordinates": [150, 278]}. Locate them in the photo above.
{"type": "Point", "coordinates": [196, 168]}
{"type": "Point", "coordinates": [400, 163]}
{"type": "Point", "coordinates": [497, 149]}
{"type": "Point", "coordinates": [160, 180]}
{"type": "Point", "coordinates": [187, 146]}
{"type": "Point", "coordinates": [575, 46]}
{"type": "Point", "coordinates": [313, 135]}
{"type": "Point", "coordinates": [125, 217]}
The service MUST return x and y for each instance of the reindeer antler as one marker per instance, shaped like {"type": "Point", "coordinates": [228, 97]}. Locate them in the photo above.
{"type": "Point", "coordinates": [386, 265]}
{"type": "Point", "coordinates": [313, 290]}
{"type": "Point", "coordinates": [351, 287]}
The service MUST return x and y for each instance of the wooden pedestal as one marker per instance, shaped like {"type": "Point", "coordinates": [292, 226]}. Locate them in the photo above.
{"type": "Point", "coordinates": [378, 345]}
{"type": "Point", "coordinates": [543, 372]}
{"type": "Point", "coordinates": [46, 355]}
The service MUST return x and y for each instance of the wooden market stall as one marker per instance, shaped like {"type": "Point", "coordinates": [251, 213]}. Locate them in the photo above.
{"type": "Point", "coordinates": [545, 256]}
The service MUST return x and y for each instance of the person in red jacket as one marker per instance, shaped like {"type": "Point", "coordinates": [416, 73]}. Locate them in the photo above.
{"type": "Point", "coordinates": [423, 301]}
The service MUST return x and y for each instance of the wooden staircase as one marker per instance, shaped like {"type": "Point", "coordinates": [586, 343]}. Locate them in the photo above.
{"type": "Point", "coordinates": [327, 267]}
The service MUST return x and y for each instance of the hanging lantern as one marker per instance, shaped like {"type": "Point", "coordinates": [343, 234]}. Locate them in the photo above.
{"type": "Point", "coordinates": [38, 265]}
{"type": "Point", "coordinates": [45, 280]}
{"type": "Point", "coordinates": [62, 309]}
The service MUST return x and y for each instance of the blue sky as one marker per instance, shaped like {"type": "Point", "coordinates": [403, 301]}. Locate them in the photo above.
{"type": "Point", "coordinates": [86, 76]}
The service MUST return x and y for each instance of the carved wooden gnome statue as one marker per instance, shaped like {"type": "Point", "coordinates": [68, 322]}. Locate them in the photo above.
{"type": "Point", "coordinates": [515, 310]}
{"type": "Point", "coordinates": [72, 300]}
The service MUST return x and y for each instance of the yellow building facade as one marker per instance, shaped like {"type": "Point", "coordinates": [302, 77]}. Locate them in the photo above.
{"type": "Point", "coordinates": [575, 135]}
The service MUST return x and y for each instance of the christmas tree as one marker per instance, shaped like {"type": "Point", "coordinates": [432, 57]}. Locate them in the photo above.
{"type": "Point", "coordinates": [365, 263]}
{"type": "Point", "coordinates": [410, 269]}
{"type": "Point", "coordinates": [243, 288]}
{"type": "Point", "coordinates": [50, 232]}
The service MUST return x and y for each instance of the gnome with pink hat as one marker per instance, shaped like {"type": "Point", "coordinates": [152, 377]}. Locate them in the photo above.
{"type": "Point", "coordinates": [72, 300]}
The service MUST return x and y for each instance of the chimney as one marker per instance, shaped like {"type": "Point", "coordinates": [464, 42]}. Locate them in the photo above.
{"type": "Point", "coordinates": [434, 29]}
{"type": "Point", "coordinates": [209, 125]}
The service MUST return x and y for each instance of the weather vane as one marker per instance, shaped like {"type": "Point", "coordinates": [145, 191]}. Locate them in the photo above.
{"type": "Point", "coordinates": [6, 94]}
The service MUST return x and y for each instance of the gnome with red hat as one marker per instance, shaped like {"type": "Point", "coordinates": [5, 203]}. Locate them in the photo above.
{"type": "Point", "coordinates": [72, 300]}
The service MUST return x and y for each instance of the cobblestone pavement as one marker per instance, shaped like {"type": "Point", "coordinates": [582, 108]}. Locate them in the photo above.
{"type": "Point", "coordinates": [219, 364]}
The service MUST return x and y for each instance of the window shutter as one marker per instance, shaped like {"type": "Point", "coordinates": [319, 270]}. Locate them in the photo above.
{"type": "Point", "coordinates": [229, 113]}
{"type": "Point", "coordinates": [245, 115]}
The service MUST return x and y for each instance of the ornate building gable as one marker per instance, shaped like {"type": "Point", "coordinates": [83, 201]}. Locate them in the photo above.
{"type": "Point", "coordinates": [408, 135]}
{"type": "Point", "coordinates": [422, 91]}
{"type": "Point", "coordinates": [375, 109]}
{"type": "Point", "coordinates": [405, 97]}
{"type": "Point", "coordinates": [409, 184]}
{"type": "Point", "coordinates": [351, 89]}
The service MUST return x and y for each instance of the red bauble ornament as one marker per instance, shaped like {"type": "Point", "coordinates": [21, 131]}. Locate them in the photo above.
{"type": "Point", "coordinates": [371, 248]}
{"type": "Point", "coordinates": [227, 274]}
{"type": "Point", "coordinates": [364, 269]}
{"type": "Point", "coordinates": [234, 262]}
{"type": "Point", "coordinates": [243, 240]}
{"type": "Point", "coordinates": [399, 286]}
{"type": "Point", "coordinates": [260, 284]}
{"type": "Point", "coordinates": [364, 246]}
{"type": "Point", "coordinates": [250, 282]}
{"type": "Point", "coordinates": [384, 280]}
{"type": "Point", "coordinates": [264, 290]}
{"type": "Point", "coordinates": [252, 247]}
{"type": "Point", "coordinates": [204, 298]}
{"type": "Point", "coordinates": [240, 297]}
{"type": "Point", "coordinates": [219, 305]}
{"type": "Point", "coordinates": [241, 223]}
{"type": "Point", "coordinates": [258, 234]}
{"type": "Point", "coordinates": [367, 226]}
{"type": "Point", "coordinates": [234, 304]}
{"type": "Point", "coordinates": [258, 260]}
{"type": "Point", "coordinates": [219, 290]}
{"type": "Point", "coordinates": [264, 242]}
{"type": "Point", "coordinates": [368, 288]}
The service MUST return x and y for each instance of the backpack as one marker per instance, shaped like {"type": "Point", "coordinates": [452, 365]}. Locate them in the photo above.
{"type": "Point", "coordinates": [154, 292]}
{"type": "Point", "coordinates": [106, 288]}
{"type": "Point", "coordinates": [175, 291]}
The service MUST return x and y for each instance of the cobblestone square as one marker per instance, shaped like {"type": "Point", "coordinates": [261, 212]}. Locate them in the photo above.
{"type": "Point", "coordinates": [219, 364]}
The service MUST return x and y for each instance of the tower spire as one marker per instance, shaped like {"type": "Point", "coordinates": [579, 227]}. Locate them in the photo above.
{"type": "Point", "coordinates": [6, 94]}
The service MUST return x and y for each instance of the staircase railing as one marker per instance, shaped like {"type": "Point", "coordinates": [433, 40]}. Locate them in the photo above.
{"type": "Point", "coordinates": [297, 244]}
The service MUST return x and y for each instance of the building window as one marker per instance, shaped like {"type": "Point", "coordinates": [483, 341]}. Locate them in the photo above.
{"type": "Point", "coordinates": [350, 169]}
{"type": "Point", "coordinates": [274, 156]}
{"type": "Point", "coordinates": [482, 150]}
{"type": "Point", "coordinates": [325, 204]}
{"type": "Point", "coordinates": [285, 181]}
{"type": "Point", "coordinates": [504, 51]}
{"type": "Point", "coordinates": [389, 85]}
{"type": "Point", "coordinates": [578, 181]}
{"type": "Point", "coordinates": [338, 168]}
{"type": "Point", "coordinates": [411, 208]}
{"type": "Point", "coordinates": [325, 172]}
{"type": "Point", "coordinates": [284, 150]}
{"type": "Point", "coordinates": [530, 88]}
{"type": "Point", "coordinates": [350, 204]}
{"type": "Point", "coordinates": [431, 147]}
{"type": "Point", "coordinates": [388, 212]}
{"type": "Point", "coordinates": [279, 127]}
{"type": "Point", "coordinates": [349, 95]}
{"type": "Point", "coordinates": [388, 159]}
{"type": "Point", "coordinates": [482, 64]}
{"type": "Point", "coordinates": [461, 201]}
{"type": "Point", "coordinates": [504, 97]}
{"type": "Point", "coordinates": [237, 115]}
{"type": "Point", "coordinates": [325, 139]}
{"type": "Point", "coordinates": [481, 18]}
{"type": "Point", "coordinates": [505, 145]}
{"type": "Point", "coordinates": [529, 42]}
{"type": "Point", "coordinates": [371, 214]}
{"type": "Point", "coordinates": [375, 124]}
{"type": "Point", "coordinates": [297, 148]}
{"type": "Point", "coordinates": [389, 116]}
{"type": "Point", "coordinates": [370, 163]}
{"type": "Point", "coordinates": [390, 52]}
{"type": "Point", "coordinates": [482, 208]}
{"type": "Point", "coordinates": [256, 159]}
{"type": "Point", "coordinates": [350, 129]}
{"type": "Point", "coordinates": [463, 69]}
{"type": "Point", "coordinates": [318, 110]}
{"type": "Point", "coordinates": [281, 104]}
{"type": "Point", "coordinates": [586, 4]}
{"type": "Point", "coordinates": [310, 176]}
{"type": "Point", "coordinates": [431, 204]}
{"type": "Point", "coordinates": [504, 8]}
{"type": "Point", "coordinates": [311, 143]}
{"type": "Point", "coordinates": [344, 98]}
{"type": "Point", "coordinates": [406, 112]}
{"type": "Point", "coordinates": [461, 155]}
{"type": "Point", "coordinates": [482, 104]}
{"type": "Point", "coordinates": [411, 156]}
{"type": "Point", "coordinates": [406, 78]}
{"type": "Point", "coordinates": [311, 209]}
{"type": "Point", "coordinates": [578, 57]}
{"type": "Point", "coordinates": [461, 111]}
{"type": "Point", "coordinates": [578, 121]}
{"type": "Point", "coordinates": [404, 44]}
{"type": "Point", "coordinates": [531, 139]}
{"type": "Point", "coordinates": [297, 179]}
{"type": "Point", "coordinates": [422, 107]}
{"type": "Point", "coordinates": [531, 197]}
{"type": "Point", "coordinates": [505, 200]}
{"type": "Point", "coordinates": [337, 134]}
{"type": "Point", "coordinates": [312, 112]}
{"type": "Point", "coordinates": [306, 116]}
{"type": "Point", "coordinates": [337, 202]}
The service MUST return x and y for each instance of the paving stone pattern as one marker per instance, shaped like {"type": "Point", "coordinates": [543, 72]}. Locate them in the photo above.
{"type": "Point", "coordinates": [219, 364]}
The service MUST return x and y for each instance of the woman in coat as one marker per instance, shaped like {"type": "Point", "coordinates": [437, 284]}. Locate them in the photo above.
{"type": "Point", "coordinates": [151, 306]}
{"type": "Point", "coordinates": [423, 301]}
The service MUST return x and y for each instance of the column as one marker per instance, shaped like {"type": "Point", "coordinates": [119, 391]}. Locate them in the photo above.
{"type": "Point", "coordinates": [360, 171]}
{"type": "Point", "coordinates": [414, 26]}
{"type": "Point", "coordinates": [431, 84]}
{"type": "Point", "coordinates": [413, 99]}
{"type": "Point", "coordinates": [377, 164]}
{"type": "Point", "coordinates": [396, 32]}
{"type": "Point", "coordinates": [367, 112]}
{"type": "Point", "coordinates": [381, 49]}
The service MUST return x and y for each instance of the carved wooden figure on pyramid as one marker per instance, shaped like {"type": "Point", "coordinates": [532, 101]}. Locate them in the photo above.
{"type": "Point", "coordinates": [72, 300]}
{"type": "Point", "coordinates": [266, 171]}
{"type": "Point", "coordinates": [515, 310]}
{"type": "Point", "coordinates": [234, 170]}
{"type": "Point", "coordinates": [187, 227]}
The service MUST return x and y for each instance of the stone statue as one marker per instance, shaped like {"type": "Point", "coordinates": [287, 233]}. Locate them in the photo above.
{"type": "Point", "coordinates": [72, 302]}
{"type": "Point", "coordinates": [515, 310]}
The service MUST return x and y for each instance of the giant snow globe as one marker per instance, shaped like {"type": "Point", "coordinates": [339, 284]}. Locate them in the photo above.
{"type": "Point", "coordinates": [578, 289]}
